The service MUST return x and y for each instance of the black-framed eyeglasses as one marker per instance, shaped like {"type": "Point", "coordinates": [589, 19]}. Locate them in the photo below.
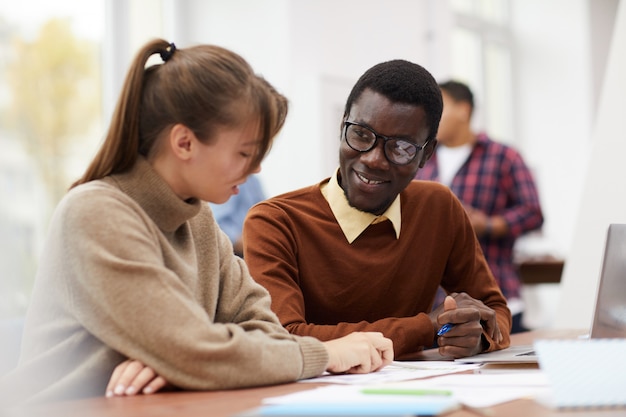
{"type": "Point", "coordinates": [363, 139]}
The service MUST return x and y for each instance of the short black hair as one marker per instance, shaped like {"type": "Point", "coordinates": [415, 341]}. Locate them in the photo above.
{"type": "Point", "coordinates": [402, 82]}
{"type": "Point", "coordinates": [458, 91]}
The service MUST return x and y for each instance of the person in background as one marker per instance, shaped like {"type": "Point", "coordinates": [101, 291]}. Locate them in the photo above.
{"type": "Point", "coordinates": [367, 248]}
{"type": "Point", "coordinates": [138, 287]}
{"type": "Point", "coordinates": [493, 183]}
{"type": "Point", "coordinates": [231, 214]}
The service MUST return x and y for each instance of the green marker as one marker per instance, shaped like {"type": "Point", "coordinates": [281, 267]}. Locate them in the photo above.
{"type": "Point", "coordinates": [406, 391]}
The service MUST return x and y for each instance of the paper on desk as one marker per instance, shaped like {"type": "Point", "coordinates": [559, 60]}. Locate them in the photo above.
{"type": "Point", "coordinates": [397, 371]}
{"type": "Point", "coordinates": [485, 390]}
{"type": "Point", "coordinates": [349, 400]}
{"type": "Point", "coordinates": [474, 390]}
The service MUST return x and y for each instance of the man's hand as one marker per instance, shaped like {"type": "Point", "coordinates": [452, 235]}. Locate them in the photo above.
{"type": "Point", "coordinates": [359, 353]}
{"type": "Point", "coordinates": [133, 377]}
{"type": "Point", "coordinates": [478, 218]}
{"type": "Point", "coordinates": [468, 316]}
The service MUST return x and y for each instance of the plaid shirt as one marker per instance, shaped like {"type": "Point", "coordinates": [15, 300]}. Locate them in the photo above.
{"type": "Point", "coordinates": [495, 180]}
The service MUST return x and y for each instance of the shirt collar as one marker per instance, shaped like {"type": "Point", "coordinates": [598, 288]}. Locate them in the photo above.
{"type": "Point", "coordinates": [351, 220]}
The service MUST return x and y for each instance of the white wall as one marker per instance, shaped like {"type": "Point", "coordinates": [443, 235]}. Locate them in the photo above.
{"type": "Point", "coordinates": [554, 117]}
{"type": "Point", "coordinates": [604, 193]}
{"type": "Point", "coordinates": [554, 107]}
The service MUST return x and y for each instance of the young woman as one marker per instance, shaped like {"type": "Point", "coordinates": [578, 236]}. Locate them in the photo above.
{"type": "Point", "coordinates": [135, 265]}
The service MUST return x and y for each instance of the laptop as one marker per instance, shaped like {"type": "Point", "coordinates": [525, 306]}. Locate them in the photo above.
{"type": "Point", "coordinates": [609, 318]}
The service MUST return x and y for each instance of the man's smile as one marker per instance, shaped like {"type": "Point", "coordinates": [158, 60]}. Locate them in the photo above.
{"type": "Point", "coordinates": [368, 181]}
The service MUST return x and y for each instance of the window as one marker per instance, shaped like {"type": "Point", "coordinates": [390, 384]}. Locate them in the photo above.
{"type": "Point", "coordinates": [50, 117]}
{"type": "Point", "coordinates": [481, 44]}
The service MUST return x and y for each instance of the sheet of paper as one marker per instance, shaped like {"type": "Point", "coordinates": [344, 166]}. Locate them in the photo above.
{"type": "Point", "coordinates": [485, 390]}
{"type": "Point", "coordinates": [471, 390]}
{"type": "Point", "coordinates": [351, 400]}
{"type": "Point", "coordinates": [397, 371]}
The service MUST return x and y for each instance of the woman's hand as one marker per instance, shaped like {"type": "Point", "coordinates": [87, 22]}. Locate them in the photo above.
{"type": "Point", "coordinates": [133, 377]}
{"type": "Point", "coordinates": [359, 353]}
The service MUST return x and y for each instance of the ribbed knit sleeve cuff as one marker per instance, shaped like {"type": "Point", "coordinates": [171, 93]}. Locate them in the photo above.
{"type": "Point", "coordinates": [314, 357]}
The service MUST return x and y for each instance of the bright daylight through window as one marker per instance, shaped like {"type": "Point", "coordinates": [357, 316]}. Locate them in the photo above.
{"type": "Point", "coordinates": [50, 118]}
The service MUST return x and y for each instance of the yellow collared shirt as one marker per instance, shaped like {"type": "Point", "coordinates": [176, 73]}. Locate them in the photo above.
{"type": "Point", "coordinates": [351, 220]}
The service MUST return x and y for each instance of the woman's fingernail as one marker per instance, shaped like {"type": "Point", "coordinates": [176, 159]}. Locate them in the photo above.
{"type": "Point", "coordinates": [109, 394]}
{"type": "Point", "coordinates": [119, 390]}
{"type": "Point", "coordinates": [130, 390]}
{"type": "Point", "coordinates": [148, 390]}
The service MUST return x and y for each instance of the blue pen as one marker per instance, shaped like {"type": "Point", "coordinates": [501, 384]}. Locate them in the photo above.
{"type": "Point", "coordinates": [445, 329]}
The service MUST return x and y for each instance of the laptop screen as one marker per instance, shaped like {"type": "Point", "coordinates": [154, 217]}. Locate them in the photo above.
{"type": "Point", "coordinates": [609, 319]}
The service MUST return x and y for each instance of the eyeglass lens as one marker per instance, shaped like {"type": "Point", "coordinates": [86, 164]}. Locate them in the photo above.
{"type": "Point", "coordinates": [363, 139]}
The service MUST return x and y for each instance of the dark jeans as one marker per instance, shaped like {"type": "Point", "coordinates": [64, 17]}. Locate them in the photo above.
{"type": "Point", "coordinates": [517, 326]}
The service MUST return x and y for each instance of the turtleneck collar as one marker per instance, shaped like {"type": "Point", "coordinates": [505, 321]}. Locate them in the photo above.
{"type": "Point", "coordinates": [144, 185]}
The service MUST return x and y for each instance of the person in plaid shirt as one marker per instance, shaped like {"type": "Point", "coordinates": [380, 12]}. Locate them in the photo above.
{"type": "Point", "coordinates": [493, 183]}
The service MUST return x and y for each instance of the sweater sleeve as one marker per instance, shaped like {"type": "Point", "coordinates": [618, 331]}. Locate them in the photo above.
{"type": "Point", "coordinates": [467, 271]}
{"type": "Point", "coordinates": [122, 292]}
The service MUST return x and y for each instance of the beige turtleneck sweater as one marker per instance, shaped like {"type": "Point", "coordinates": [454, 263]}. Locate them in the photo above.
{"type": "Point", "coordinates": [130, 270]}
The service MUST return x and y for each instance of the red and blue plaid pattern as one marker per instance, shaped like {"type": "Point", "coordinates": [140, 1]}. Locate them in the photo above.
{"type": "Point", "coordinates": [495, 180]}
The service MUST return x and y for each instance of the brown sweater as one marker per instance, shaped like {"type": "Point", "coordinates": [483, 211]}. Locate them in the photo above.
{"type": "Point", "coordinates": [132, 271]}
{"type": "Point", "coordinates": [322, 286]}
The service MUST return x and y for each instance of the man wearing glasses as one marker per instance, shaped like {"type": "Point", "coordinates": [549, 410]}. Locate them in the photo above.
{"type": "Point", "coordinates": [367, 248]}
